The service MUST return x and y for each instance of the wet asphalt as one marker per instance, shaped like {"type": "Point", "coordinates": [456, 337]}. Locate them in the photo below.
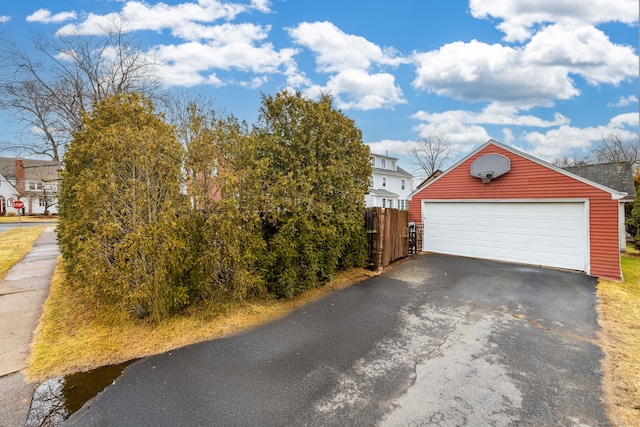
{"type": "Point", "coordinates": [437, 340]}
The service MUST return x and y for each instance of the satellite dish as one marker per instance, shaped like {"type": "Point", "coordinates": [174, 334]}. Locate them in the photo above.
{"type": "Point", "coordinates": [490, 166]}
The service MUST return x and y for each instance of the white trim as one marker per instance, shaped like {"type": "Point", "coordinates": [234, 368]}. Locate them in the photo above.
{"type": "Point", "coordinates": [587, 235]}
{"type": "Point", "coordinates": [562, 200]}
{"type": "Point", "coordinates": [622, 230]}
{"type": "Point", "coordinates": [586, 217]}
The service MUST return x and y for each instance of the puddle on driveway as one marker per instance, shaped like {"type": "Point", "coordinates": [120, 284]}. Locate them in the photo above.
{"type": "Point", "coordinates": [57, 399]}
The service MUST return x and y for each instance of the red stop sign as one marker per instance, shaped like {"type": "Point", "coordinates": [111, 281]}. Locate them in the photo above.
{"type": "Point", "coordinates": [18, 204]}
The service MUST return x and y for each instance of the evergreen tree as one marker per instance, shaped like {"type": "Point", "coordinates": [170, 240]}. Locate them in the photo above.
{"type": "Point", "coordinates": [314, 171]}
{"type": "Point", "coordinates": [120, 227]}
{"type": "Point", "coordinates": [226, 236]}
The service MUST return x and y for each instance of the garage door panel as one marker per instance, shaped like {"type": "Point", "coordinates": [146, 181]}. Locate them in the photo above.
{"type": "Point", "coordinates": [549, 234]}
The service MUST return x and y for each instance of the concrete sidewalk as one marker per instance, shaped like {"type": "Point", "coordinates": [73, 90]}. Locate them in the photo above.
{"type": "Point", "coordinates": [22, 294]}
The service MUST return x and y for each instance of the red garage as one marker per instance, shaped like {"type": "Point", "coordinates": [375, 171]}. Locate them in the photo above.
{"type": "Point", "coordinates": [501, 204]}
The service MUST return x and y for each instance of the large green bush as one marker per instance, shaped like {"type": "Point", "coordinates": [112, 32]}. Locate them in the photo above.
{"type": "Point", "coordinates": [314, 174]}
{"type": "Point", "coordinates": [278, 208]}
{"type": "Point", "coordinates": [121, 209]}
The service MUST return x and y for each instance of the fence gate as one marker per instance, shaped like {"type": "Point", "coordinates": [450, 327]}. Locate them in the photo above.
{"type": "Point", "coordinates": [388, 233]}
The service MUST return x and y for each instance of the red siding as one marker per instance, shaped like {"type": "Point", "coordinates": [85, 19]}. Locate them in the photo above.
{"type": "Point", "coordinates": [530, 180]}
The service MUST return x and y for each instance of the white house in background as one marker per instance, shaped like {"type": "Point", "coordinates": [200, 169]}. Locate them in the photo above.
{"type": "Point", "coordinates": [390, 184]}
{"type": "Point", "coordinates": [8, 194]}
{"type": "Point", "coordinates": [34, 182]}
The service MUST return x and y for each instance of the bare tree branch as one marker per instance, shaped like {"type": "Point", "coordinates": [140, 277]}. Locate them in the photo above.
{"type": "Point", "coordinates": [614, 148]}
{"type": "Point", "coordinates": [565, 162]}
{"type": "Point", "coordinates": [431, 154]}
{"type": "Point", "coordinates": [51, 88]}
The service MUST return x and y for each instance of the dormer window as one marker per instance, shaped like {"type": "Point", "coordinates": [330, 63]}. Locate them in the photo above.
{"type": "Point", "coordinates": [373, 161]}
{"type": "Point", "coordinates": [384, 163]}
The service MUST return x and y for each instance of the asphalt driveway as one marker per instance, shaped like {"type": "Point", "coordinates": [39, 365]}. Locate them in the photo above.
{"type": "Point", "coordinates": [437, 340]}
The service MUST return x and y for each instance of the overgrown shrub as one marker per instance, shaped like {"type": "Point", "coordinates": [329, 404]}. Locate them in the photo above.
{"type": "Point", "coordinates": [276, 209]}
{"type": "Point", "coordinates": [313, 180]}
{"type": "Point", "coordinates": [120, 204]}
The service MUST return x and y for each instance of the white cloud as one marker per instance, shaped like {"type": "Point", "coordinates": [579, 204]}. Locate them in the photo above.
{"type": "Point", "coordinates": [255, 82]}
{"type": "Point", "coordinates": [624, 101]}
{"type": "Point", "coordinates": [392, 147]}
{"type": "Point", "coordinates": [508, 137]}
{"type": "Point", "coordinates": [536, 74]}
{"type": "Point", "coordinates": [44, 16]}
{"type": "Point", "coordinates": [462, 136]}
{"type": "Point", "coordinates": [492, 114]}
{"type": "Point", "coordinates": [208, 45]}
{"type": "Point", "coordinates": [356, 89]}
{"type": "Point", "coordinates": [349, 59]}
{"type": "Point", "coordinates": [224, 33]}
{"type": "Point", "coordinates": [141, 16]}
{"type": "Point", "coordinates": [478, 71]}
{"type": "Point", "coordinates": [625, 120]}
{"type": "Point", "coordinates": [583, 50]}
{"type": "Point", "coordinates": [520, 18]}
{"type": "Point", "coordinates": [4, 18]}
{"type": "Point", "coordinates": [337, 51]}
{"type": "Point", "coordinates": [466, 130]}
{"type": "Point", "coordinates": [193, 58]}
{"type": "Point", "coordinates": [261, 5]}
{"type": "Point", "coordinates": [556, 143]}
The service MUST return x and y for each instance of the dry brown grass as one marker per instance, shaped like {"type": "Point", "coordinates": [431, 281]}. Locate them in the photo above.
{"type": "Point", "coordinates": [15, 243]}
{"type": "Point", "coordinates": [619, 311]}
{"type": "Point", "coordinates": [70, 338]}
{"type": "Point", "coordinates": [13, 219]}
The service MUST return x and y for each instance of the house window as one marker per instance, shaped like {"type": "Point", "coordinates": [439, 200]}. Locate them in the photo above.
{"type": "Point", "coordinates": [403, 184]}
{"type": "Point", "coordinates": [393, 165]}
{"type": "Point", "coordinates": [391, 203]}
{"type": "Point", "coordinates": [384, 163]}
{"type": "Point", "coordinates": [384, 181]}
{"type": "Point", "coordinates": [371, 182]}
{"type": "Point", "coordinates": [42, 203]}
{"type": "Point", "coordinates": [35, 186]}
{"type": "Point", "coordinates": [373, 161]}
{"type": "Point", "coordinates": [384, 203]}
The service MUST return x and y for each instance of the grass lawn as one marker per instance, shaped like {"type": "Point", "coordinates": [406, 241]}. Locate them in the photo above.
{"type": "Point", "coordinates": [27, 218]}
{"type": "Point", "coordinates": [15, 243]}
{"type": "Point", "coordinates": [619, 318]}
{"type": "Point", "coordinates": [72, 338]}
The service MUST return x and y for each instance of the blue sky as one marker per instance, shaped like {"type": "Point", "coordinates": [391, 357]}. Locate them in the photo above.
{"type": "Point", "coordinates": [549, 77]}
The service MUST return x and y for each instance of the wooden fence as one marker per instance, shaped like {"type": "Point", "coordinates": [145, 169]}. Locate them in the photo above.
{"type": "Point", "coordinates": [388, 233]}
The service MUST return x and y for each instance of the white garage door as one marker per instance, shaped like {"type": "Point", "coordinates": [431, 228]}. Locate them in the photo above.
{"type": "Point", "coordinates": [547, 234]}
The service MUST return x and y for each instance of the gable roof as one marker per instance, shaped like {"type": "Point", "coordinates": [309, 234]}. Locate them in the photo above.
{"type": "Point", "coordinates": [8, 167]}
{"type": "Point", "coordinates": [36, 170]}
{"type": "Point", "coordinates": [616, 175]}
{"type": "Point", "coordinates": [398, 172]}
{"type": "Point", "coordinates": [383, 155]}
{"type": "Point", "coordinates": [430, 178]}
{"type": "Point", "coordinates": [41, 170]}
{"type": "Point", "coordinates": [615, 194]}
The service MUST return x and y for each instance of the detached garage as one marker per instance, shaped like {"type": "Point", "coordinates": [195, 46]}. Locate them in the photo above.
{"type": "Point", "coordinates": [501, 204]}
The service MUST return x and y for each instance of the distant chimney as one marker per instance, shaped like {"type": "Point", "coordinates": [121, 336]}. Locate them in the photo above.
{"type": "Point", "coordinates": [20, 176]}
